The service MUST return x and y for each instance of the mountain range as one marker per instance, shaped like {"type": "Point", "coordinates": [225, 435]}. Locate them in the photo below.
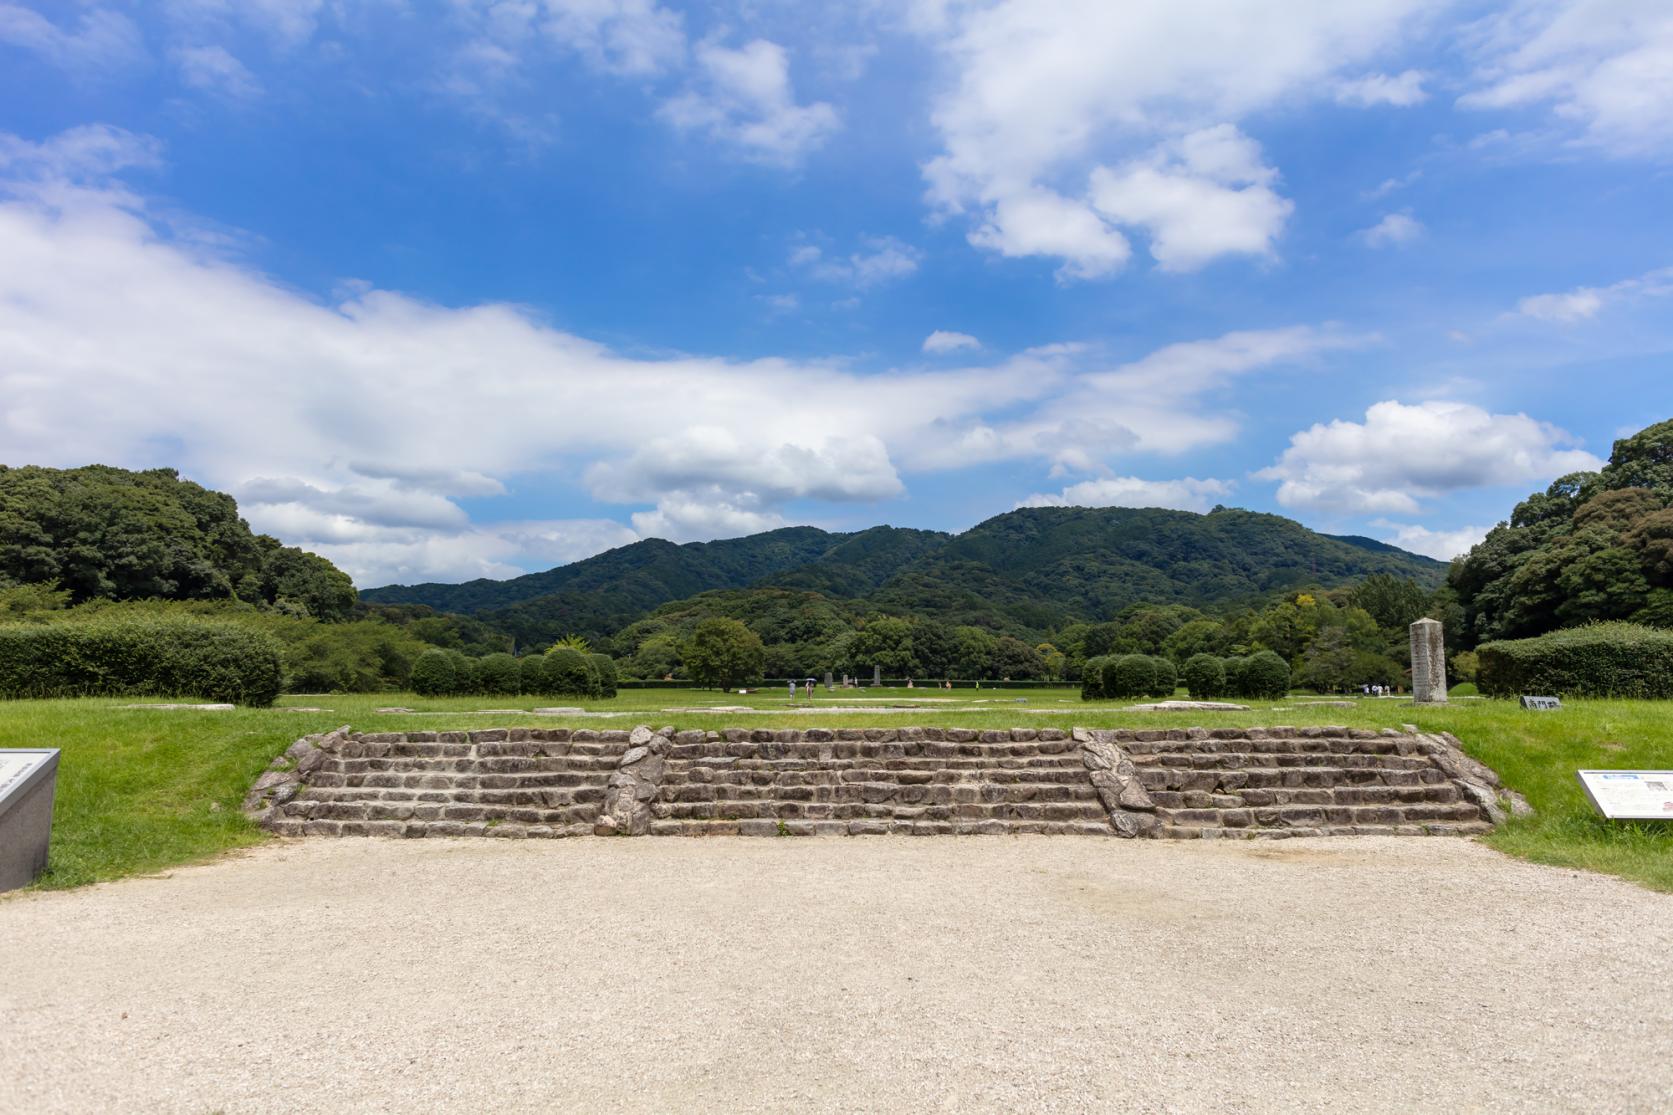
{"type": "Point", "coordinates": [1024, 572]}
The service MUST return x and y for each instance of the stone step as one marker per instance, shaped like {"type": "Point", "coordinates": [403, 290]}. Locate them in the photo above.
{"type": "Point", "coordinates": [1310, 816]}
{"type": "Point", "coordinates": [292, 827]}
{"type": "Point", "coordinates": [1088, 811]}
{"type": "Point", "coordinates": [1243, 760]}
{"type": "Point", "coordinates": [1335, 795]}
{"type": "Point", "coordinates": [879, 827]}
{"type": "Point", "coordinates": [1426, 828]}
{"type": "Point", "coordinates": [752, 757]}
{"type": "Point", "coordinates": [817, 776]}
{"type": "Point", "coordinates": [882, 791]}
{"type": "Point", "coordinates": [504, 764]}
{"type": "Point", "coordinates": [442, 811]}
{"type": "Point", "coordinates": [1262, 745]}
{"type": "Point", "coordinates": [566, 795]}
{"type": "Point", "coordinates": [1272, 778]}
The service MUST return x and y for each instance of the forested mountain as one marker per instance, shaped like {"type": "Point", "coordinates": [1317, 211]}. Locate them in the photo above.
{"type": "Point", "coordinates": [1592, 546]}
{"type": "Point", "coordinates": [1024, 572]}
{"type": "Point", "coordinates": [102, 533]}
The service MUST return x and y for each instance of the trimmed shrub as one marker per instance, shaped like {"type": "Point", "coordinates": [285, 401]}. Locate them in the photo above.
{"type": "Point", "coordinates": [605, 667]}
{"type": "Point", "coordinates": [569, 674]}
{"type": "Point", "coordinates": [1600, 660]}
{"type": "Point", "coordinates": [1266, 675]}
{"type": "Point", "coordinates": [1092, 678]}
{"type": "Point", "coordinates": [1131, 675]}
{"type": "Point", "coordinates": [175, 657]}
{"type": "Point", "coordinates": [1164, 678]}
{"type": "Point", "coordinates": [1237, 684]}
{"type": "Point", "coordinates": [467, 674]}
{"type": "Point", "coordinates": [498, 674]}
{"type": "Point", "coordinates": [434, 674]}
{"type": "Point", "coordinates": [531, 674]}
{"type": "Point", "coordinates": [1205, 676]}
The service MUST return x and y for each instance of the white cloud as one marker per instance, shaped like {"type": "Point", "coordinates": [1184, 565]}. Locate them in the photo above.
{"type": "Point", "coordinates": [1442, 545]}
{"type": "Point", "coordinates": [1043, 92]}
{"type": "Point", "coordinates": [726, 460]}
{"type": "Point", "coordinates": [883, 259]}
{"type": "Point", "coordinates": [1584, 303]}
{"type": "Point", "coordinates": [1185, 494]}
{"type": "Point", "coordinates": [214, 69]}
{"type": "Point", "coordinates": [744, 99]}
{"type": "Point", "coordinates": [89, 152]}
{"type": "Point", "coordinates": [1399, 90]}
{"type": "Point", "coordinates": [1202, 196]}
{"type": "Point", "coordinates": [1401, 455]}
{"type": "Point", "coordinates": [103, 39]}
{"type": "Point", "coordinates": [1605, 68]}
{"type": "Point", "coordinates": [287, 22]}
{"type": "Point", "coordinates": [1393, 229]}
{"type": "Point", "coordinates": [944, 341]}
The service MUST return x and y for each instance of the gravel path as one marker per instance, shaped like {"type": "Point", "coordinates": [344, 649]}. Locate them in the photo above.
{"type": "Point", "coordinates": [1048, 974]}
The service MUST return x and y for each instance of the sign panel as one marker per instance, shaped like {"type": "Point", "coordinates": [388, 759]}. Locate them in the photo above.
{"type": "Point", "coordinates": [1630, 795]}
{"type": "Point", "coordinates": [17, 771]}
{"type": "Point", "coordinates": [1543, 704]}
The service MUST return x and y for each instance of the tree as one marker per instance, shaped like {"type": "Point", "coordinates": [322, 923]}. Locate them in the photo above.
{"type": "Point", "coordinates": [499, 674]}
{"type": "Point", "coordinates": [886, 642]}
{"type": "Point", "coordinates": [1053, 660]}
{"type": "Point", "coordinates": [935, 647]}
{"type": "Point", "coordinates": [570, 674]}
{"type": "Point", "coordinates": [1016, 660]}
{"type": "Point", "coordinates": [1164, 679]}
{"type": "Point", "coordinates": [573, 642]}
{"type": "Point", "coordinates": [657, 657]}
{"type": "Point", "coordinates": [976, 648]}
{"type": "Point", "coordinates": [604, 669]}
{"type": "Point", "coordinates": [1200, 636]}
{"type": "Point", "coordinates": [1092, 678]}
{"type": "Point", "coordinates": [1393, 602]}
{"type": "Point", "coordinates": [531, 674]}
{"type": "Point", "coordinates": [722, 653]}
{"type": "Point", "coordinates": [1266, 675]}
{"type": "Point", "coordinates": [1644, 460]}
{"type": "Point", "coordinates": [1131, 675]}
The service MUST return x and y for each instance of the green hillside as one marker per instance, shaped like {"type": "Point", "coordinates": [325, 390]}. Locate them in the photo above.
{"type": "Point", "coordinates": [1026, 571]}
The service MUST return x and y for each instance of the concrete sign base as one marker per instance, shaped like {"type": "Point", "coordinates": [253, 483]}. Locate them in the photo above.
{"type": "Point", "coordinates": [27, 781]}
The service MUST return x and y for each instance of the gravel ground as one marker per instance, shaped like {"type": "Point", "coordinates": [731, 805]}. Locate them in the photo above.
{"type": "Point", "coordinates": [1046, 974]}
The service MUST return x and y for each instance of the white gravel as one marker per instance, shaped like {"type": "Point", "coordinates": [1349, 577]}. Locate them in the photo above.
{"type": "Point", "coordinates": [999, 973]}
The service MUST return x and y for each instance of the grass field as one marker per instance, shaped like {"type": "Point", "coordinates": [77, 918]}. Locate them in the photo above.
{"type": "Point", "coordinates": [144, 789]}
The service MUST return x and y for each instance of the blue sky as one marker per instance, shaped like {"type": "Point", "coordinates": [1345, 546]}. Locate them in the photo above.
{"type": "Point", "coordinates": [454, 288]}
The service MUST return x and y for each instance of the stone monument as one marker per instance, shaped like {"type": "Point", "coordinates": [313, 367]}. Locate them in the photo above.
{"type": "Point", "coordinates": [876, 676]}
{"type": "Point", "coordinates": [828, 684]}
{"type": "Point", "coordinates": [1428, 663]}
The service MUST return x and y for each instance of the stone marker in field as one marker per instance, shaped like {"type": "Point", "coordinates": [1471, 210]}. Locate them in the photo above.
{"type": "Point", "coordinates": [1428, 663]}
{"type": "Point", "coordinates": [876, 676]}
{"type": "Point", "coordinates": [27, 780]}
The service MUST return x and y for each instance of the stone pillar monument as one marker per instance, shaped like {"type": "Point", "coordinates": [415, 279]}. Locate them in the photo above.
{"type": "Point", "coordinates": [1428, 663]}
{"type": "Point", "coordinates": [828, 684]}
{"type": "Point", "coordinates": [876, 676]}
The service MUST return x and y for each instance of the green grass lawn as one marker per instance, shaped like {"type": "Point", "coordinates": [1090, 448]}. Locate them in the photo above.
{"type": "Point", "coordinates": [140, 790]}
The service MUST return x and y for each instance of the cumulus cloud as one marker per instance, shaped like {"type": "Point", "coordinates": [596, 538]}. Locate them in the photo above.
{"type": "Point", "coordinates": [1442, 545]}
{"type": "Point", "coordinates": [1399, 90]}
{"type": "Point", "coordinates": [1404, 454]}
{"type": "Point", "coordinates": [1584, 303]}
{"type": "Point", "coordinates": [943, 341]}
{"type": "Point", "coordinates": [1185, 494]}
{"type": "Point", "coordinates": [1604, 68]}
{"type": "Point", "coordinates": [1041, 93]}
{"type": "Point", "coordinates": [1202, 196]}
{"type": "Point", "coordinates": [743, 98]}
{"type": "Point", "coordinates": [1394, 229]}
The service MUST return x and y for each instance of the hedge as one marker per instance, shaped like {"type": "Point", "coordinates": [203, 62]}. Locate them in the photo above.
{"type": "Point", "coordinates": [176, 657]}
{"type": "Point", "coordinates": [1131, 675]}
{"type": "Point", "coordinates": [1205, 676]}
{"type": "Point", "coordinates": [1600, 660]}
{"type": "Point", "coordinates": [1092, 678]}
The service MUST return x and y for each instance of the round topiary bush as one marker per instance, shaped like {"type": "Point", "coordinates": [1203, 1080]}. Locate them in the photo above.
{"type": "Point", "coordinates": [1131, 675]}
{"type": "Point", "coordinates": [498, 674]}
{"type": "Point", "coordinates": [1267, 676]}
{"type": "Point", "coordinates": [1205, 676]}
{"type": "Point", "coordinates": [569, 674]}
{"type": "Point", "coordinates": [1092, 678]}
{"type": "Point", "coordinates": [1237, 684]}
{"type": "Point", "coordinates": [605, 668]}
{"type": "Point", "coordinates": [531, 671]}
{"type": "Point", "coordinates": [433, 675]}
{"type": "Point", "coordinates": [1164, 678]}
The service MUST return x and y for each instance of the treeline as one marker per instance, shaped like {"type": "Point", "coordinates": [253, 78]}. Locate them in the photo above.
{"type": "Point", "coordinates": [563, 671]}
{"type": "Point", "coordinates": [1594, 546]}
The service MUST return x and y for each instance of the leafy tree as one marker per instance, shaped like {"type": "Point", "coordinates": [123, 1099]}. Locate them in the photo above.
{"type": "Point", "coordinates": [1015, 660]}
{"type": "Point", "coordinates": [935, 647]}
{"type": "Point", "coordinates": [1092, 678]}
{"type": "Point", "coordinates": [604, 669]}
{"type": "Point", "coordinates": [657, 657]}
{"type": "Point", "coordinates": [1053, 660]}
{"type": "Point", "coordinates": [532, 676]}
{"type": "Point", "coordinates": [1644, 460]}
{"type": "Point", "coordinates": [1199, 636]}
{"type": "Point", "coordinates": [884, 641]}
{"type": "Point", "coordinates": [1392, 602]}
{"type": "Point", "coordinates": [976, 648]}
{"type": "Point", "coordinates": [1131, 675]}
{"type": "Point", "coordinates": [1266, 675]}
{"type": "Point", "coordinates": [570, 674]}
{"type": "Point", "coordinates": [573, 642]}
{"type": "Point", "coordinates": [722, 653]}
{"type": "Point", "coordinates": [1164, 677]}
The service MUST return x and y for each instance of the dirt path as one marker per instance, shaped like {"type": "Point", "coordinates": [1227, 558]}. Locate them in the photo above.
{"type": "Point", "coordinates": [883, 974]}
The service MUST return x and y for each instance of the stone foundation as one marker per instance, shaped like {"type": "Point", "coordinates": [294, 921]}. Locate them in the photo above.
{"type": "Point", "coordinates": [1177, 783]}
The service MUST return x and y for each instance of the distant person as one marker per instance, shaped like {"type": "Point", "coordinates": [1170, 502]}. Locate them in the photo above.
{"type": "Point", "coordinates": [792, 690]}
{"type": "Point", "coordinates": [810, 689]}
{"type": "Point", "coordinates": [909, 684]}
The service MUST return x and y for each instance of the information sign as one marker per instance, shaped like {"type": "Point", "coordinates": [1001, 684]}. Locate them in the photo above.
{"type": "Point", "coordinates": [1630, 795]}
{"type": "Point", "coordinates": [1542, 704]}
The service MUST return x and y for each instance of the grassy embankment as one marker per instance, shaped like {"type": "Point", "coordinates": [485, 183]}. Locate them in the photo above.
{"type": "Point", "coordinates": [140, 790]}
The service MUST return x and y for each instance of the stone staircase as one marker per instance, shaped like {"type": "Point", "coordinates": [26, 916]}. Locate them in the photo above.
{"type": "Point", "coordinates": [501, 782]}
{"type": "Point", "coordinates": [851, 781]}
{"type": "Point", "coordinates": [1177, 783]}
